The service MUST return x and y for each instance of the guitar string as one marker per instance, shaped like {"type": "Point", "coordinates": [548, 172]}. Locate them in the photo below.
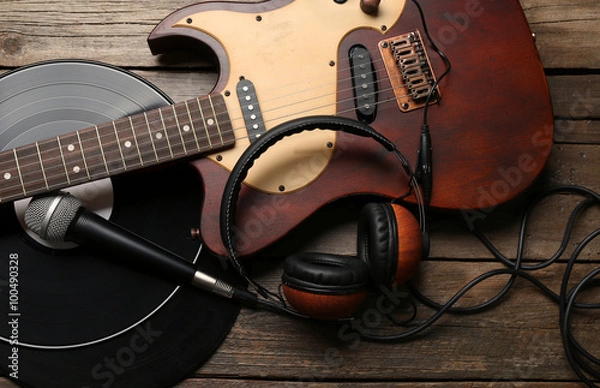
{"type": "Point", "coordinates": [302, 81]}
{"type": "Point", "coordinates": [83, 177]}
{"type": "Point", "coordinates": [176, 155]}
{"type": "Point", "coordinates": [183, 143]}
{"type": "Point", "coordinates": [150, 141]}
{"type": "Point", "coordinates": [147, 142]}
{"type": "Point", "coordinates": [322, 85]}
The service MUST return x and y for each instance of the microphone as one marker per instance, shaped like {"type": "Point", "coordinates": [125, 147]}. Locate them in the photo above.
{"type": "Point", "coordinates": [62, 217]}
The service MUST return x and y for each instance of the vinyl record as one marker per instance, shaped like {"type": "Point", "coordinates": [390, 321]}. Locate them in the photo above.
{"type": "Point", "coordinates": [74, 317]}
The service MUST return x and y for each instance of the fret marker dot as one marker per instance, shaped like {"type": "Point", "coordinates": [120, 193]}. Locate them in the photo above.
{"type": "Point", "coordinates": [76, 169]}
{"type": "Point", "coordinates": [159, 135]}
{"type": "Point", "coordinates": [71, 147]}
{"type": "Point", "coordinates": [127, 144]}
{"type": "Point", "coordinates": [210, 121]}
{"type": "Point", "coordinates": [186, 128]}
{"type": "Point", "coordinates": [7, 176]}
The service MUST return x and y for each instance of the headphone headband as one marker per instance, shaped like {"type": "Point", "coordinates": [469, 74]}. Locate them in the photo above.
{"type": "Point", "coordinates": [256, 149]}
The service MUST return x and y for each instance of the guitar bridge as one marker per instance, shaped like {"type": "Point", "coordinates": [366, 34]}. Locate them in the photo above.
{"type": "Point", "coordinates": [409, 70]}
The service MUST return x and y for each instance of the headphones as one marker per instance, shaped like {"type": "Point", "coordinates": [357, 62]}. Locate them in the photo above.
{"type": "Point", "coordinates": [391, 240]}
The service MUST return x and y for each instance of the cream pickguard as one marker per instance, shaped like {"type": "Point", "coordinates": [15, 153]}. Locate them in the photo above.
{"type": "Point", "coordinates": [294, 76]}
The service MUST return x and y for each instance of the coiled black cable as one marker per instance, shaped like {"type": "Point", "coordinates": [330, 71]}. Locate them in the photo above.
{"type": "Point", "coordinates": [585, 365]}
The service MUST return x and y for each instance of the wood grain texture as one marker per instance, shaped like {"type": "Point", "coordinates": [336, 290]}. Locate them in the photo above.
{"type": "Point", "coordinates": [32, 31]}
{"type": "Point", "coordinates": [232, 383]}
{"type": "Point", "coordinates": [565, 32]}
{"type": "Point", "coordinates": [517, 344]}
{"type": "Point", "coordinates": [512, 342]}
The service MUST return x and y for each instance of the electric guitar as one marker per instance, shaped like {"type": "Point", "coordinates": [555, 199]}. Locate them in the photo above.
{"type": "Point", "coordinates": [490, 118]}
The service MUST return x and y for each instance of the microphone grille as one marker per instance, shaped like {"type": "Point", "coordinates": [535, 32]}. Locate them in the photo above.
{"type": "Point", "coordinates": [50, 216]}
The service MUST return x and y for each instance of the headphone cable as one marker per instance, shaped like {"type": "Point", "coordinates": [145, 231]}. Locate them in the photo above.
{"type": "Point", "coordinates": [584, 364]}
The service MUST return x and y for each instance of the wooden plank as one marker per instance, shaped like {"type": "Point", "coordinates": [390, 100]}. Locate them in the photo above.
{"type": "Point", "coordinates": [240, 383]}
{"type": "Point", "coordinates": [577, 131]}
{"type": "Point", "coordinates": [117, 34]}
{"type": "Point", "coordinates": [109, 31]}
{"type": "Point", "coordinates": [225, 383]}
{"type": "Point", "coordinates": [510, 342]}
{"type": "Point", "coordinates": [576, 97]}
{"type": "Point", "coordinates": [565, 32]}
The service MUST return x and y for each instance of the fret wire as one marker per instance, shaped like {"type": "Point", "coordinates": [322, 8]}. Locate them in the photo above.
{"type": "Point", "coordinates": [101, 149]}
{"type": "Point", "coordinates": [179, 130]}
{"type": "Point", "coordinates": [151, 137]}
{"type": "Point", "coordinates": [137, 146]}
{"type": "Point", "coordinates": [87, 170]}
{"type": "Point", "coordinates": [204, 122]}
{"type": "Point", "coordinates": [187, 108]}
{"type": "Point", "coordinates": [64, 162]}
{"type": "Point", "coordinates": [176, 155]}
{"type": "Point", "coordinates": [212, 107]}
{"type": "Point", "coordinates": [61, 156]}
{"type": "Point", "coordinates": [119, 145]}
{"type": "Point", "coordinates": [19, 172]}
{"type": "Point", "coordinates": [166, 133]}
{"type": "Point", "coordinates": [37, 147]}
{"type": "Point", "coordinates": [82, 142]}
{"type": "Point", "coordinates": [211, 136]}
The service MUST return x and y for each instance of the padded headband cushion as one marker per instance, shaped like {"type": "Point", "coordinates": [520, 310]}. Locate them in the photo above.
{"type": "Point", "coordinates": [378, 242]}
{"type": "Point", "coordinates": [325, 274]}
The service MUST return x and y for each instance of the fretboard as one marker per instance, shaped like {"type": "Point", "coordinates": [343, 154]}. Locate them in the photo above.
{"type": "Point", "coordinates": [188, 128]}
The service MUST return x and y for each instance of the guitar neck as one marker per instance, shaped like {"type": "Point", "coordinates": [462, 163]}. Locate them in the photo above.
{"type": "Point", "coordinates": [200, 125]}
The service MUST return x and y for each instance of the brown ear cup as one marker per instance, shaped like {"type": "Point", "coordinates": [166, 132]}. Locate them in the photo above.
{"type": "Point", "coordinates": [390, 241]}
{"type": "Point", "coordinates": [324, 286]}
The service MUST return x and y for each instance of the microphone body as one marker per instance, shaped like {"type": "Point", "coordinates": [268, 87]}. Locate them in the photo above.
{"type": "Point", "coordinates": [89, 229]}
{"type": "Point", "coordinates": [63, 217]}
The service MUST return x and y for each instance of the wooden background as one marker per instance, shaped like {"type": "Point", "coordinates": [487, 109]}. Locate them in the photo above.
{"type": "Point", "coordinates": [515, 344]}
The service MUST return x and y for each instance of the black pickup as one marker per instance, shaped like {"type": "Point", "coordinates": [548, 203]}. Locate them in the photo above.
{"type": "Point", "coordinates": [364, 83]}
{"type": "Point", "coordinates": [250, 109]}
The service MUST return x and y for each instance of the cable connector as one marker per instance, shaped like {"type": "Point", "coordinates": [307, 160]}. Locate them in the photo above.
{"type": "Point", "coordinates": [424, 164]}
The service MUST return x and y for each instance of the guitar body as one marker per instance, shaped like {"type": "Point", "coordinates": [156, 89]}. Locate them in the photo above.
{"type": "Point", "coordinates": [491, 129]}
